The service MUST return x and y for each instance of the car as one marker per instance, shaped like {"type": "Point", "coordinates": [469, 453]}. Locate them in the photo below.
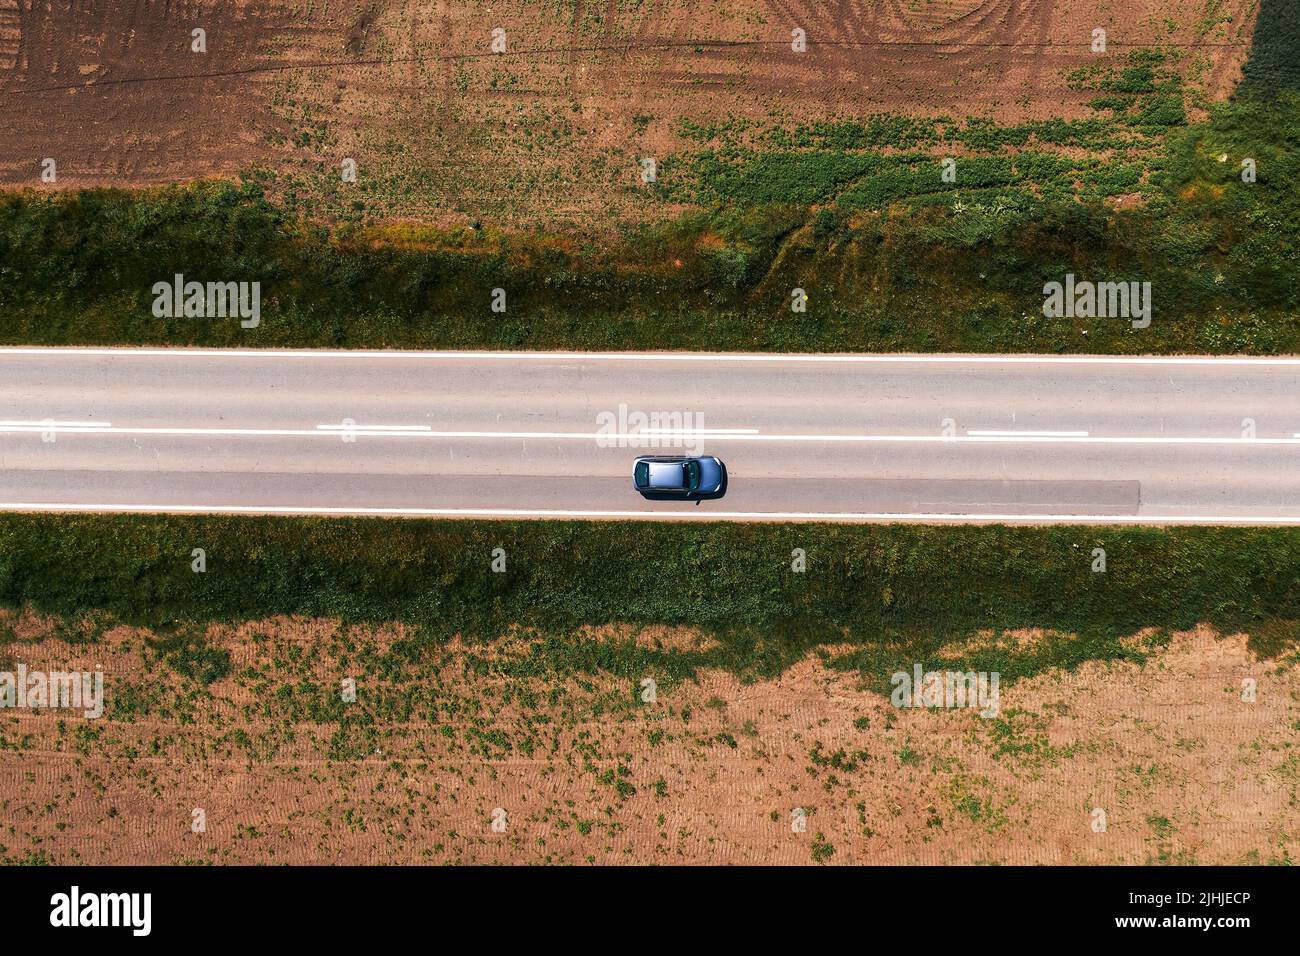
{"type": "Point", "coordinates": [679, 478]}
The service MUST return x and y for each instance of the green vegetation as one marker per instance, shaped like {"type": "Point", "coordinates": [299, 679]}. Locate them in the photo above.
{"type": "Point", "coordinates": [822, 851]}
{"type": "Point", "coordinates": [890, 159]}
{"type": "Point", "coordinates": [190, 655]}
{"type": "Point", "coordinates": [901, 594]}
{"type": "Point", "coordinates": [1273, 64]}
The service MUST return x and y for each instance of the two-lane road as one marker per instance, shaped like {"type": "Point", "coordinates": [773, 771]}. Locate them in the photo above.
{"type": "Point", "coordinates": [840, 437]}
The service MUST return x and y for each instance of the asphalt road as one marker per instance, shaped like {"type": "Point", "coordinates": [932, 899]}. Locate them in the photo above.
{"type": "Point", "coordinates": [930, 438]}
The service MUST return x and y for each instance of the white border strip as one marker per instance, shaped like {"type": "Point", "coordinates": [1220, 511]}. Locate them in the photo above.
{"type": "Point", "coordinates": [849, 358]}
{"type": "Point", "coordinates": [335, 432]}
{"type": "Point", "coordinates": [692, 515]}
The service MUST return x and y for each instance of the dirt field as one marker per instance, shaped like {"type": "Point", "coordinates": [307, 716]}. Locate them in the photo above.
{"type": "Point", "coordinates": [415, 770]}
{"type": "Point", "coordinates": [91, 85]}
{"type": "Point", "coordinates": [551, 131]}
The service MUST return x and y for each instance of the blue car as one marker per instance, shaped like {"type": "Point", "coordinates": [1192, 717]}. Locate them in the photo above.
{"type": "Point", "coordinates": [679, 478]}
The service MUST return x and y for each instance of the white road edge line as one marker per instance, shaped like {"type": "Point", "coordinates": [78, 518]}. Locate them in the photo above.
{"type": "Point", "coordinates": [333, 432]}
{"type": "Point", "coordinates": [254, 353]}
{"type": "Point", "coordinates": [693, 514]}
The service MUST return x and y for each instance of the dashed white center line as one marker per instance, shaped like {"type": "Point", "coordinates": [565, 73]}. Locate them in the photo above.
{"type": "Point", "coordinates": [1029, 434]}
{"type": "Point", "coordinates": [697, 431]}
{"type": "Point", "coordinates": [381, 428]}
{"type": "Point", "coordinates": [50, 423]}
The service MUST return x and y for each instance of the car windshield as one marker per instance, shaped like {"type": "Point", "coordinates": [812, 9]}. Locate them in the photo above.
{"type": "Point", "coordinates": [693, 474]}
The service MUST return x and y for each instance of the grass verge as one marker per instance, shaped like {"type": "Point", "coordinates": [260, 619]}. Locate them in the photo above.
{"type": "Point", "coordinates": [873, 598]}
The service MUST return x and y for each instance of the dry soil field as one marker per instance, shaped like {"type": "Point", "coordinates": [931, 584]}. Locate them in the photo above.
{"type": "Point", "coordinates": [415, 770]}
{"type": "Point", "coordinates": [551, 130]}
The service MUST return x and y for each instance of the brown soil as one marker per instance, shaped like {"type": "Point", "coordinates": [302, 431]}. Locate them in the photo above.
{"type": "Point", "coordinates": [1184, 769]}
{"type": "Point", "coordinates": [551, 131]}
{"type": "Point", "coordinates": [92, 85]}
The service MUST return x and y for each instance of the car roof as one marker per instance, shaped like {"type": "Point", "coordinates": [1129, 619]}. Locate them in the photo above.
{"type": "Point", "coordinates": [667, 474]}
